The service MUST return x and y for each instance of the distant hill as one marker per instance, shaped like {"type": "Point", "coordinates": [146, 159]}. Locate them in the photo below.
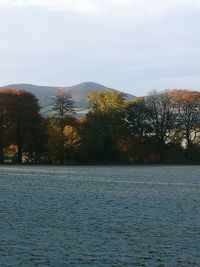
{"type": "Point", "coordinates": [77, 92]}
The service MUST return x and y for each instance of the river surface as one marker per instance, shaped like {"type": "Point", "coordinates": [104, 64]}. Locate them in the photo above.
{"type": "Point", "coordinates": [100, 216]}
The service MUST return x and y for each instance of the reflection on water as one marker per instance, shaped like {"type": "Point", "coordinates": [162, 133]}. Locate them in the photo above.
{"type": "Point", "coordinates": [100, 216]}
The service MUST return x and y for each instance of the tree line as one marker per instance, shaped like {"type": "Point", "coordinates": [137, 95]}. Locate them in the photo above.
{"type": "Point", "coordinates": [161, 127]}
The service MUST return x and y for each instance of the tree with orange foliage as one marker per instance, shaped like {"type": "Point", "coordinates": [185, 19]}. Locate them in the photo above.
{"type": "Point", "coordinates": [22, 119]}
{"type": "Point", "coordinates": [4, 122]}
{"type": "Point", "coordinates": [187, 105]}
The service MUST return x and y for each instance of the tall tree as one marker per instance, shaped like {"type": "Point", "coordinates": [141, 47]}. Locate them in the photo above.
{"type": "Point", "coordinates": [63, 111]}
{"type": "Point", "coordinates": [187, 106]}
{"type": "Point", "coordinates": [137, 123]}
{"type": "Point", "coordinates": [22, 119]}
{"type": "Point", "coordinates": [136, 115]}
{"type": "Point", "coordinates": [26, 121]}
{"type": "Point", "coordinates": [103, 126]}
{"type": "Point", "coordinates": [161, 117]}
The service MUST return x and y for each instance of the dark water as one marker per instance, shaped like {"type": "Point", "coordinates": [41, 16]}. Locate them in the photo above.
{"type": "Point", "coordinates": [100, 216]}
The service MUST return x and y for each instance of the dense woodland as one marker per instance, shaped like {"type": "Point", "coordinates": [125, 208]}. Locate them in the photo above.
{"type": "Point", "coordinates": [163, 127]}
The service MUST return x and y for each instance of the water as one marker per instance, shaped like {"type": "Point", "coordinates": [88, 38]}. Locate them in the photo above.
{"type": "Point", "coordinates": [100, 216]}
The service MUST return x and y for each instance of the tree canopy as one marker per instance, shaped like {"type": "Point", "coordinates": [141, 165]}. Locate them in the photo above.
{"type": "Point", "coordinates": [161, 127]}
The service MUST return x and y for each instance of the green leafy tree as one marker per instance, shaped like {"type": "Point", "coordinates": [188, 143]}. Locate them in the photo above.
{"type": "Point", "coordinates": [139, 129]}
{"type": "Point", "coordinates": [103, 126]}
{"type": "Point", "coordinates": [136, 114]}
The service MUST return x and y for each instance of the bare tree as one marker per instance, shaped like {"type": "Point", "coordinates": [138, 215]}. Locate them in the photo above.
{"type": "Point", "coordinates": [63, 110]}
{"type": "Point", "coordinates": [161, 117]}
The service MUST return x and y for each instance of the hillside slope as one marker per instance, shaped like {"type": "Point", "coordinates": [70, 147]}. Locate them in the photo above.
{"type": "Point", "coordinates": [77, 92]}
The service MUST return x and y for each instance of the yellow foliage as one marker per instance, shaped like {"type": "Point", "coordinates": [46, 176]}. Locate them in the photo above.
{"type": "Point", "coordinates": [71, 136]}
{"type": "Point", "coordinates": [105, 101]}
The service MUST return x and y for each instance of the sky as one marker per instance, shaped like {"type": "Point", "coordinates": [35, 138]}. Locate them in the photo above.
{"type": "Point", "coordinates": [131, 45]}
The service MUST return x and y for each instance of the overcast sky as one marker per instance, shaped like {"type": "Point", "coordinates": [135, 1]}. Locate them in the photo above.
{"type": "Point", "coordinates": [131, 45]}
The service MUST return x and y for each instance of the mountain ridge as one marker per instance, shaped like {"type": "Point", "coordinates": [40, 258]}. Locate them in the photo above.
{"type": "Point", "coordinates": [78, 92]}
